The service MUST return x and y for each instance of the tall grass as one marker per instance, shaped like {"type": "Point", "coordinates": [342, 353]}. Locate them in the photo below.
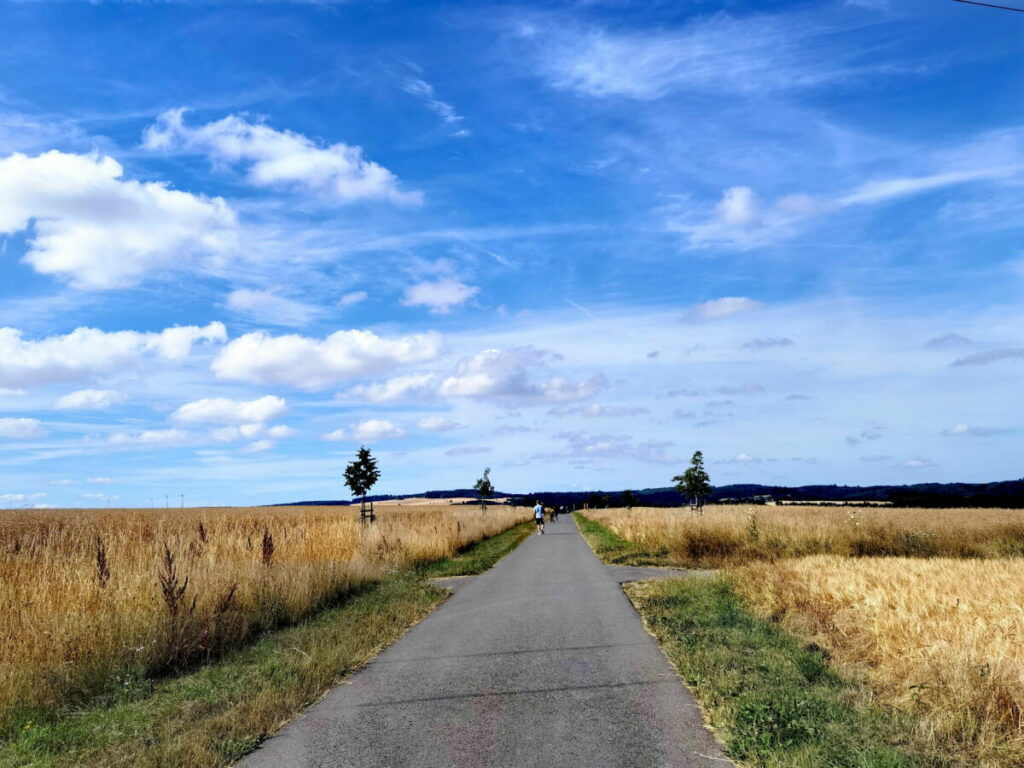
{"type": "Point", "coordinates": [96, 600]}
{"type": "Point", "coordinates": [941, 638]}
{"type": "Point", "coordinates": [739, 534]}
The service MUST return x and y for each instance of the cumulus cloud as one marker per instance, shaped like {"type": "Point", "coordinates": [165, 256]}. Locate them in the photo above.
{"type": "Point", "coordinates": [313, 364]}
{"type": "Point", "coordinates": [917, 463]}
{"type": "Point", "coordinates": [438, 424]}
{"type": "Point", "coordinates": [337, 173]}
{"type": "Point", "coordinates": [96, 230]}
{"type": "Point", "coordinates": [505, 374]}
{"type": "Point", "coordinates": [958, 430]}
{"type": "Point", "coordinates": [439, 295]}
{"type": "Point", "coordinates": [717, 308]}
{"type": "Point", "coordinates": [368, 431]}
{"type": "Point", "coordinates": [421, 385]}
{"type": "Point", "coordinates": [22, 429]}
{"type": "Point", "coordinates": [87, 353]}
{"type": "Point", "coordinates": [89, 400]}
{"type": "Point", "coordinates": [222, 410]}
{"type": "Point", "coordinates": [990, 356]}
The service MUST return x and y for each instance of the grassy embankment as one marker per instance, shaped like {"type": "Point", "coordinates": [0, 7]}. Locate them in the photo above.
{"type": "Point", "coordinates": [210, 714]}
{"type": "Point", "coordinates": [773, 699]}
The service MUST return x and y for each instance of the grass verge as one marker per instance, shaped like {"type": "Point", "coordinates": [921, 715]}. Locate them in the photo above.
{"type": "Point", "coordinates": [215, 714]}
{"type": "Point", "coordinates": [479, 556]}
{"type": "Point", "coordinates": [773, 702]}
{"type": "Point", "coordinates": [615, 550]}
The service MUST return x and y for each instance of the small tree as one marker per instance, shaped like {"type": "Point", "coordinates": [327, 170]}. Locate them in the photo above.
{"type": "Point", "coordinates": [628, 499]}
{"type": "Point", "coordinates": [694, 483]}
{"type": "Point", "coordinates": [483, 488]}
{"type": "Point", "coordinates": [361, 475]}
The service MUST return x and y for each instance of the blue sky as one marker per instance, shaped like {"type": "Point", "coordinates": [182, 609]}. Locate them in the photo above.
{"type": "Point", "coordinates": [573, 242]}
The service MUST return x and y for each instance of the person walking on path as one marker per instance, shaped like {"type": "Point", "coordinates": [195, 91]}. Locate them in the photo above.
{"type": "Point", "coordinates": [538, 516]}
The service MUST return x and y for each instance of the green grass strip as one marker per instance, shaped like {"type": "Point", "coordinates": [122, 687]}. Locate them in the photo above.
{"type": "Point", "coordinates": [479, 556]}
{"type": "Point", "coordinates": [771, 700]}
{"type": "Point", "coordinates": [615, 550]}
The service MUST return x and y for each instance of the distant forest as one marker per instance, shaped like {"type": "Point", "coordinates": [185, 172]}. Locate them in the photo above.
{"type": "Point", "coordinates": [1009, 493]}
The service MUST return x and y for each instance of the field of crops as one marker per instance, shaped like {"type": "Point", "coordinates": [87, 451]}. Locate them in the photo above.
{"type": "Point", "coordinates": [925, 607]}
{"type": "Point", "coordinates": [96, 599]}
{"type": "Point", "coordinates": [730, 534]}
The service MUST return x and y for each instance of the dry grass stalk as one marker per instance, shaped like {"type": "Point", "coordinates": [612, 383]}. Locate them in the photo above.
{"type": "Point", "coordinates": [68, 640]}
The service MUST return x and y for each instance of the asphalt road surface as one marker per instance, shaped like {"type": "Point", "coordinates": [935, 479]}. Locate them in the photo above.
{"type": "Point", "coordinates": [541, 661]}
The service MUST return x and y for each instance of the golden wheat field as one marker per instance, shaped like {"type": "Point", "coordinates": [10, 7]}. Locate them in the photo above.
{"type": "Point", "coordinates": [739, 533]}
{"type": "Point", "coordinates": [942, 638]}
{"type": "Point", "coordinates": [925, 606]}
{"type": "Point", "coordinates": [93, 598]}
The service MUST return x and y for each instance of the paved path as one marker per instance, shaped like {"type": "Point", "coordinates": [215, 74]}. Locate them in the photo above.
{"type": "Point", "coordinates": [541, 661]}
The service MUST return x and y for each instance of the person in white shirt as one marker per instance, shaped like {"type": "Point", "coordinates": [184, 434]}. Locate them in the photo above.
{"type": "Point", "coordinates": [538, 517]}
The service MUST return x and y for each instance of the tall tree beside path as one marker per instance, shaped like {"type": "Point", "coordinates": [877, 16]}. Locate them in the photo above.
{"type": "Point", "coordinates": [484, 488]}
{"type": "Point", "coordinates": [361, 474]}
{"type": "Point", "coordinates": [694, 483]}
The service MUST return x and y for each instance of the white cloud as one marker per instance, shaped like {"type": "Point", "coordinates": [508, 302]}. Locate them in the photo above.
{"type": "Point", "coordinates": [596, 410]}
{"type": "Point", "coordinates": [412, 385]}
{"type": "Point", "coordinates": [97, 230]}
{"type": "Point", "coordinates": [221, 410]}
{"type": "Point", "coordinates": [886, 189]}
{"type": "Point", "coordinates": [259, 446]}
{"type": "Point", "coordinates": [438, 424]}
{"type": "Point", "coordinates": [151, 437]}
{"type": "Point", "coordinates": [495, 373]}
{"type": "Point", "coordinates": [266, 306]}
{"type": "Point", "coordinates": [281, 430]}
{"type": "Point", "coordinates": [728, 305]}
{"type": "Point", "coordinates": [376, 429]}
{"type": "Point", "coordinates": [352, 298]}
{"type": "Point", "coordinates": [719, 53]}
{"type": "Point", "coordinates": [89, 399]}
{"type": "Point", "coordinates": [22, 429]}
{"type": "Point", "coordinates": [87, 353]}
{"type": "Point", "coordinates": [740, 220]}
{"type": "Point", "coordinates": [368, 431]}
{"type": "Point", "coordinates": [308, 363]}
{"type": "Point", "coordinates": [738, 207]}
{"type": "Point", "coordinates": [959, 430]}
{"type": "Point", "coordinates": [439, 295]}
{"type": "Point", "coordinates": [745, 458]}
{"type": "Point", "coordinates": [337, 173]}
{"type": "Point", "coordinates": [585, 445]}
{"type": "Point", "coordinates": [425, 91]}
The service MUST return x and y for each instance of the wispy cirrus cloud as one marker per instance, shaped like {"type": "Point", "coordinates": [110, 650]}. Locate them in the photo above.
{"type": "Point", "coordinates": [719, 53]}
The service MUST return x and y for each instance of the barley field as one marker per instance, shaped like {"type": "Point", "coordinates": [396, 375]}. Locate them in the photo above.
{"type": "Point", "coordinates": [942, 638]}
{"type": "Point", "coordinates": [97, 599]}
{"type": "Point", "coordinates": [730, 534]}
